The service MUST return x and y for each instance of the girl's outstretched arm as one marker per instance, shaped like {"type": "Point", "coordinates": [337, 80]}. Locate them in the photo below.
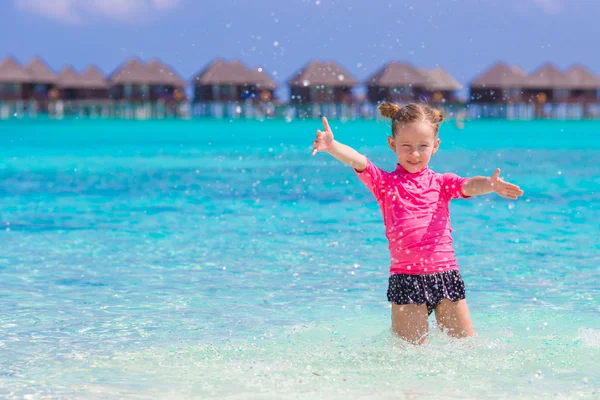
{"type": "Point", "coordinates": [346, 154]}
{"type": "Point", "coordinates": [484, 185]}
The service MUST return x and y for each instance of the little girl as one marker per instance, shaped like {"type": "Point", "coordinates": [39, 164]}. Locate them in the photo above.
{"type": "Point", "coordinates": [414, 202]}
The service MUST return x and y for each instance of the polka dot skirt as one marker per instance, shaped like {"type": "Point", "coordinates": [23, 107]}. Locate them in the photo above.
{"type": "Point", "coordinates": [428, 289]}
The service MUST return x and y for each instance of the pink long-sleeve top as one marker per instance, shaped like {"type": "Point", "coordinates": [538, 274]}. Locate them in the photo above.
{"type": "Point", "coordinates": [416, 216]}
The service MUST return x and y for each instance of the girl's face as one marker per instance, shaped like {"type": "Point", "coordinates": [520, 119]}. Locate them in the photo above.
{"type": "Point", "coordinates": [414, 144]}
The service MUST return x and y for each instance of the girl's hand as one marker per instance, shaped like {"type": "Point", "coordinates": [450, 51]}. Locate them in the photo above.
{"type": "Point", "coordinates": [324, 139]}
{"type": "Point", "coordinates": [503, 188]}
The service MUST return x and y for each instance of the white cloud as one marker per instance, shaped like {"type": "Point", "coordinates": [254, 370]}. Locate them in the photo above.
{"type": "Point", "coordinates": [75, 11]}
{"type": "Point", "coordinates": [549, 6]}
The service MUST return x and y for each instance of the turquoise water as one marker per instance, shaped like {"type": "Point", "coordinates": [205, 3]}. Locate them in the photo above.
{"type": "Point", "coordinates": [198, 259]}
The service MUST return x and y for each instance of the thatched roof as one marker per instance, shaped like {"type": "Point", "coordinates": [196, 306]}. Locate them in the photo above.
{"type": "Point", "coordinates": [210, 73]}
{"type": "Point", "coordinates": [40, 72]}
{"type": "Point", "coordinates": [546, 77]}
{"type": "Point", "coordinates": [93, 78]}
{"type": "Point", "coordinates": [12, 72]}
{"type": "Point", "coordinates": [396, 74]}
{"type": "Point", "coordinates": [518, 70]}
{"type": "Point", "coordinates": [439, 80]}
{"type": "Point", "coordinates": [220, 72]}
{"type": "Point", "coordinates": [263, 80]}
{"type": "Point", "coordinates": [165, 74]}
{"type": "Point", "coordinates": [68, 78]}
{"type": "Point", "coordinates": [133, 72]}
{"type": "Point", "coordinates": [318, 73]}
{"type": "Point", "coordinates": [499, 75]}
{"type": "Point", "coordinates": [581, 78]}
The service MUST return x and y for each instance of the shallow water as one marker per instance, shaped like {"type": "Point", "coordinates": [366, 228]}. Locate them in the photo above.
{"type": "Point", "coordinates": [219, 260]}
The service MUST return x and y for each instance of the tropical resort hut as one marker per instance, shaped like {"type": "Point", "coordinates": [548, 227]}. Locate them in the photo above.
{"type": "Point", "coordinates": [146, 90]}
{"type": "Point", "coordinates": [395, 82]}
{"type": "Point", "coordinates": [232, 89]}
{"type": "Point", "coordinates": [93, 85]}
{"type": "Point", "coordinates": [168, 86]}
{"type": "Point", "coordinates": [499, 84]}
{"type": "Point", "coordinates": [583, 85]}
{"type": "Point", "coordinates": [67, 83]}
{"type": "Point", "coordinates": [322, 82]}
{"type": "Point", "coordinates": [439, 87]}
{"type": "Point", "coordinates": [263, 86]}
{"type": "Point", "coordinates": [498, 93]}
{"type": "Point", "coordinates": [583, 88]}
{"type": "Point", "coordinates": [132, 82]}
{"type": "Point", "coordinates": [81, 94]}
{"type": "Point", "coordinates": [42, 81]}
{"type": "Point", "coordinates": [223, 82]}
{"type": "Point", "coordinates": [90, 86]}
{"type": "Point", "coordinates": [547, 84]}
{"type": "Point", "coordinates": [13, 78]}
{"type": "Point", "coordinates": [547, 89]}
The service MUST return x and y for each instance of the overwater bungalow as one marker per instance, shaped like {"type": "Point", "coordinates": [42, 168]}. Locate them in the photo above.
{"type": "Point", "coordinates": [546, 84]}
{"type": "Point", "coordinates": [67, 83]}
{"type": "Point", "coordinates": [396, 82]}
{"type": "Point", "coordinates": [583, 85]}
{"type": "Point", "coordinates": [132, 82]}
{"type": "Point", "coordinates": [90, 86]}
{"type": "Point", "coordinates": [231, 89]}
{"type": "Point", "coordinates": [168, 86]}
{"type": "Point", "coordinates": [81, 94]}
{"type": "Point", "coordinates": [13, 78]}
{"type": "Point", "coordinates": [93, 85]}
{"type": "Point", "coordinates": [263, 86]}
{"type": "Point", "coordinates": [322, 82]}
{"type": "Point", "coordinates": [583, 90]}
{"type": "Point", "coordinates": [439, 87]}
{"type": "Point", "coordinates": [42, 81]}
{"type": "Point", "coordinates": [224, 82]}
{"type": "Point", "coordinates": [498, 85]}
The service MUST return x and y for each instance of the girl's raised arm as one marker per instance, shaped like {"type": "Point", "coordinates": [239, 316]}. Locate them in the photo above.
{"type": "Point", "coordinates": [484, 185]}
{"type": "Point", "coordinates": [346, 154]}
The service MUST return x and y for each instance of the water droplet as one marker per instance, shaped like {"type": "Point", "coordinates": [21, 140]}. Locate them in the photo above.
{"type": "Point", "coordinates": [276, 43]}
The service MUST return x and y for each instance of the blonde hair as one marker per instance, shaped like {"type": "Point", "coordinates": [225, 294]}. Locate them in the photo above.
{"type": "Point", "coordinates": [411, 113]}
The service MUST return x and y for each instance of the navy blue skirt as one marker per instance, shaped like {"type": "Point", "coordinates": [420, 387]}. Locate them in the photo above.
{"type": "Point", "coordinates": [428, 289]}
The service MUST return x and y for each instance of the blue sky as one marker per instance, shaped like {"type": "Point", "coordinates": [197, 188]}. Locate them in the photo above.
{"type": "Point", "coordinates": [462, 36]}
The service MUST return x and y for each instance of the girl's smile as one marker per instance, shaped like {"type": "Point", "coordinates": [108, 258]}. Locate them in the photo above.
{"type": "Point", "coordinates": [414, 144]}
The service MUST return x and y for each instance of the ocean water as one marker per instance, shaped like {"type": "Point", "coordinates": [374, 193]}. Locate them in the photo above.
{"type": "Point", "coordinates": [218, 259]}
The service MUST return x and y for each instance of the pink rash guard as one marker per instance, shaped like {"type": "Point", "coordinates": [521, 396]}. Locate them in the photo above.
{"type": "Point", "coordinates": [416, 216]}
